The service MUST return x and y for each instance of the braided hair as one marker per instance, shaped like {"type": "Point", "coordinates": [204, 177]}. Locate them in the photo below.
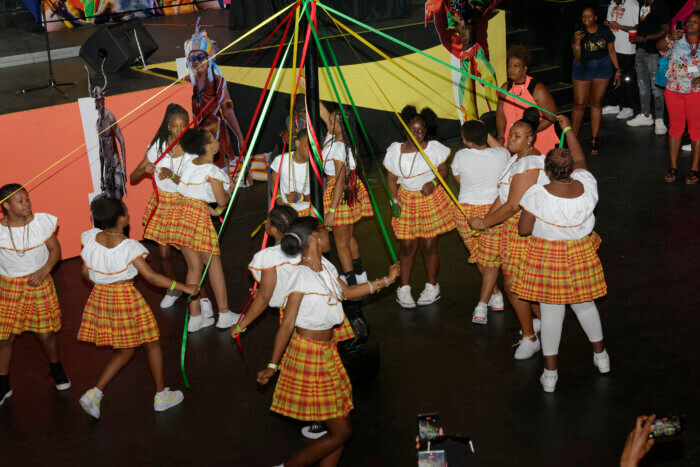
{"type": "Point", "coordinates": [560, 163]}
{"type": "Point", "coordinates": [351, 175]}
{"type": "Point", "coordinates": [163, 132]}
{"type": "Point", "coordinates": [282, 216]}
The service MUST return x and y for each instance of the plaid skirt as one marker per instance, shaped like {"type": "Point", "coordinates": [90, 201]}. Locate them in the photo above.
{"type": "Point", "coordinates": [118, 316]}
{"type": "Point", "coordinates": [513, 246]}
{"type": "Point", "coordinates": [157, 229]}
{"type": "Point", "coordinates": [344, 213]}
{"type": "Point", "coordinates": [313, 384]}
{"type": "Point", "coordinates": [485, 248]}
{"type": "Point", "coordinates": [561, 272]}
{"type": "Point", "coordinates": [191, 226]}
{"type": "Point", "coordinates": [27, 308]}
{"type": "Point", "coordinates": [423, 216]}
{"type": "Point", "coordinates": [342, 332]}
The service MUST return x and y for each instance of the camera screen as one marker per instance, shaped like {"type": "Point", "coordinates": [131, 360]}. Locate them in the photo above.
{"type": "Point", "coordinates": [432, 459]}
{"type": "Point", "coordinates": [666, 426]}
{"type": "Point", "coordinates": [428, 427]}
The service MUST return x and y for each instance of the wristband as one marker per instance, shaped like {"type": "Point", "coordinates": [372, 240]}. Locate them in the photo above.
{"type": "Point", "coordinates": [386, 281]}
{"type": "Point", "coordinates": [238, 329]}
{"type": "Point", "coordinates": [278, 197]}
{"type": "Point", "coordinates": [299, 198]}
{"type": "Point", "coordinates": [219, 210]}
{"type": "Point", "coordinates": [273, 366]}
{"type": "Point", "coordinates": [396, 201]}
{"type": "Point", "coordinates": [172, 176]}
{"type": "Point", "coordinates": [331, 209]}
{"type": "Point", "coordinates": [434, 182]}
{"type": "Point", "coordinates": [371, 288]}
{"type": "Point", "coordinates": [173, 285]}
{"type": "Point", "coordinates": [565, 130]}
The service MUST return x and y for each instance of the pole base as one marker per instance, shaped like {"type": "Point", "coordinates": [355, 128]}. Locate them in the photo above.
{"type": "Point", "coordinates": [52, 85]}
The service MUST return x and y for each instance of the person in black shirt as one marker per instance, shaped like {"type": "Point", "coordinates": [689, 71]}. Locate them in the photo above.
{"type": "Point", "coordinates": [594, 58]}
{"type": "Point", "coordinates": [653, 24]}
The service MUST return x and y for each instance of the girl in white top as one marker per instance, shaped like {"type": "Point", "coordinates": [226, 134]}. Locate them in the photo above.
{"type": "Point", "coordinates": [156, 218]}
{"type": "Point", "coordinates": [293, 169]}
{"type": "Point", "coordinates": [28, 301]}
{"type": "Point", "coordinates": [425, 210]}
{"type": "Point", "coordinates": [561, 265]}
{"type": "Point", "coordinates": [345, 200]}
{"type": "Point", "coordinates": [524, 169]}
{"type": "Point", "coordinates": [192, 230]}
{"type": "Point", "coordinates": [313, 384]}
{"type": "Point", "coordinates": [477, 168]}
{"type": "Point", "coordinates": [116, 313]}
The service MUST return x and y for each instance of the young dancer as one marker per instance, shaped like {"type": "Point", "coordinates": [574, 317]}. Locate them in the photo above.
{"type": "Point", "coordinates": [313, 384]}
{"type": "Point", "coordinates": [477, 169]}
{"type": "Point", "coordinates": [561, 265]}
{"type": "Point", "coordinates": [345, 200]}
{"type": "Point", "coordinates": [294, 189]}
{"type": "Point", "coordinates": [28, 301]}
{"type": "Point", "coordinates": [116, 313]}
{"type": "Point", "coordinates": [524, 169]}
{"type": "Point", "coordinates": [191, 228]}
{"type": "Point", "coordinates": [425, 210]}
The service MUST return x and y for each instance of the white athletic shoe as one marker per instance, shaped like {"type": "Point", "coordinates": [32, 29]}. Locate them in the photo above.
{"type": "Point", "coordinates": [496, 302]}
{"type": "Point", "coordinates": [660, 127]}
{"type": "Point", "coordinates": [170, 298]}
{"type": "Point", "coordinates": [227, 319]}
{"type": "Point", "coordinates": [625, 113]}
{"type": "Point", "coordinates": [611, 109]}
{"type": "Point", "coordinates": [90, 402]}
{"type": "Point", "coordinates": [527, 348]}
{"type": "Point", "coordinates": [686, 147]}
{"type": "Point", "coordinates": [206, 308]}
{"type": "Point", "coordinates": [430, 294]}
{"type": "Point", "coordinates": [198, 322]}
{"type": "Point", "coordinates": [314, 431]}
{"type": "Point", "coordinates": [479, 315]}
{"type": "Point", "coordinates": [602, 361]}
{"type": "Point", "coordinates": [536, 326]}
{"type": "Point", "coordinates": [403, 296]}
{"type": "Point", "coordinates": [641, 120]}
{"type": "Point", "coordinates": [549, 381]}
{"type": "Point", "coordinates": [5, 396]}
{"type": "Point", "coordinates": [361, 278]}
{"type": "Point", "coordinates": [166, 399]}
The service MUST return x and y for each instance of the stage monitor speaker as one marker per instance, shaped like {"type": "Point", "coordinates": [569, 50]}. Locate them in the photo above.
{"type": "Point", "coordinates": [117, 45]}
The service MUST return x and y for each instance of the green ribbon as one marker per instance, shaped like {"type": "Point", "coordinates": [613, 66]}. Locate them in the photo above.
{"type": "Point", "coordinates": [562, 138]}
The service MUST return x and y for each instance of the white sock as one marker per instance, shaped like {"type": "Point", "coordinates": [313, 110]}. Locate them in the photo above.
{"type": "Point", "coordinates": [481, 305]}
{"type": "Point", "coordinates": [98, 393]}
{"type": "Point", "coordinates": [550, 372]}
{"type": "Point", "coordinates": [552, 322]}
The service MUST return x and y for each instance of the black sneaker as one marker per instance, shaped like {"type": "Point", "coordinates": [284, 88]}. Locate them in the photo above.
{"type": "Point", "coordinates": [314, 431]}
{"type": "Point", "coordinates": [59, 376]}
{"type": "Point", "coordinates": [5, 394]}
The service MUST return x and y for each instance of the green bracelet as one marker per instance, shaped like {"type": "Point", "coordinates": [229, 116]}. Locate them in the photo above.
{"type": "Point", "coordinates": [219, 210]}
{"type": "Point", "coordinates": [238, 329]}
{"type": "Point", "coordinates": [273, 366]}
{"type": "Point", "coordinates": [435, 182]}
{"type": "Point", "coordinates": [172, 286]}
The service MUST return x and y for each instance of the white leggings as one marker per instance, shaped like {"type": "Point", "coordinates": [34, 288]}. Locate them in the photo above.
{"type": "Point", "coordinates": [553, 321]}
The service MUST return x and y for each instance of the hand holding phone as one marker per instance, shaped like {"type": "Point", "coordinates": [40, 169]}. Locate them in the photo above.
{"type": "Point", "coordinates": [428, 427]}
{"type": "Point", "coordinates": [667, 427]}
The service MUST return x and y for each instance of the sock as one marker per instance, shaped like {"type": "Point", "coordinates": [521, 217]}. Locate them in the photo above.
{"type": "Point", "coordinates": [350, 278]}
{"type": "Point", "coordinates": [4, 383]}
{"type": "Point", "coordinates": [550, 372]}
{"type": "Point", "coordinates": [56, 369]}
{"type": "Point", "coordinates": [481, 305]}
{"type": "Point", "coordinates": [357, 266]}
{"type": "Point", "coordinates": [98, 393]}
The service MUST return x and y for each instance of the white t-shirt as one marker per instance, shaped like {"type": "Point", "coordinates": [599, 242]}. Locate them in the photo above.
{"type": "Point", "coordinates": [478, 170]}
{"type": "Point", "coordinates": [517, 166]}
{"type": "Point", "coordinates": [194, 181]}
{"type": "Point", "coordinates": [176, 166]}
{"type": "Point", "coordinates": [626, 14]}
{"type": "Point", "coordinates": [322, 305]}
{"type": "Point", "coordinates": [563, 218]}
{"type": "Point", "coordinates": [335, 151]}
{"type": "Point", "coordinates": [274, 257]}
{"type": "Point", "coordinates": [33, 239]}
{"type": "Point", "coordinates": [410, 168]}
{"type": "Point", "coordinates": [109, 265]}
{"type": "Point", "coordinates": [297, 181]}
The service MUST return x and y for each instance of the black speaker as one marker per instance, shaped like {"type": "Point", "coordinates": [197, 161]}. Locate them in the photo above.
{"type": "Point", "coordinates": [117, 45]}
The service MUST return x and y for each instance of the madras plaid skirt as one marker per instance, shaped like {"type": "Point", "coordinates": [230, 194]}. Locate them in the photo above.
{"type": "Point", "coordinates": [158, 228]}
{"type": "Point", "coordinates": [513, 246]}
{"type": "Point", "coordinates": [118, 316]}
{"type": "Point", "coordinates": [344, 213]}
{"type": "Point", "coordinates": [484, 249]}
{"type": "Point", "coordinates": [27, 308]}
{"type": "Point", "coordinates": [423, 216]}
{"type": "Point", "coordinates": [342, 332]}
{"type": "Point", "coordinates": [191, 226]}
{"type": "Point", "coordinates": [313, 384]}
{"type": "Point", "coordinates": [561, 272]}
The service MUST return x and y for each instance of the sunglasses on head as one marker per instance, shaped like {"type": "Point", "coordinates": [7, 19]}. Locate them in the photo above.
{"type": "Point", "coordinates": [199, 57]}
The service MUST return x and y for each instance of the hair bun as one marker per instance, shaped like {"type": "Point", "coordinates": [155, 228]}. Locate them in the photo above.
{"type": "Point", "coordinates": [532, 115]}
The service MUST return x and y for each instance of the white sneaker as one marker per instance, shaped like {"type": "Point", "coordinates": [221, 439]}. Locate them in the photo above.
{"type": "Point", "coordinates": [527, 348]}
{"type": "Point", "coordinates": [536, 326]}
{"type": "Point", "coordinates": [206, 308]}
{"type": "Point", "coordinates": [549, 380]}
{"type": "Point", "coordinates": [611, 109]}
{"type": "Point", "coordinates": [314, 431]}
{"type": "Point", "coordinates": [686, 147]}
{"type": "Point", "coordinates": [403, 296]}
{"type": "Point", "coordinates": [479, 316]}
{"type": "Point", "coordinates": [496, 302]}
{"type": "Point", "coordinates": [660, 127]}
{"type": "Point", "coordinates": [625, 113]}
{"type": "Point", "coordinates": [5, 396]}
{"type": "Point", "coordinates": [430, 294]}
{"type": "Point", "coordinates": [602, 361]}
{"type": "Point", "coordinates": [361, 278]}
{"type": "Point", "coordinates": [227, 319]}
{"type": "Point", "coordinates": [166, 399]}
{"type": "Point", "coordinates": [198, 322]}
{"type": "Point", "coordinates": [170, 298]}
{"type": "Point", "coordinates": [641, 120]}
{"type": "Point", "coordinates": [90, 402]}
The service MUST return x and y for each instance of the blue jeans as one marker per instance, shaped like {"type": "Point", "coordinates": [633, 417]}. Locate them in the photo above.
{"type": "Point", "coordinates": [646, 65]}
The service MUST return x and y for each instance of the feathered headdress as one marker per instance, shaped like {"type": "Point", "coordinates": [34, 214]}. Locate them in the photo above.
{"type": "Point", "coordinates": [201, 41]}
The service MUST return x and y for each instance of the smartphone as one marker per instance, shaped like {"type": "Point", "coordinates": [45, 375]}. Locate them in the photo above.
{"type": "Point", "coordinates": [579, 27]}
{"type": "Point", "coordinates": [428, 427]}
{"type": "Point", "coordinates": [432, 459]}
{"type": "Point", "coordinates": [667, 427]}
{"type": "Point", "coordinates": [679, 25]}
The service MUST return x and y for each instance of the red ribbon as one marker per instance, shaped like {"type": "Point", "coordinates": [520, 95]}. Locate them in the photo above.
{"type": "Point", "coordinates": [271, 34]}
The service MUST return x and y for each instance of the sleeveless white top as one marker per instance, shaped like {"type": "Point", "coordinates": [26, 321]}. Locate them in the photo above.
{"type": "Point", "coordinates": [33, 239]}
{"type": "Point", "coordinates": [411, 168]}
{"type": "Point", "coordinates": [176, 165]}
{"type": "Point", "coordinates": [194, 181]}
{"type": "Point", "coordinates": [297, 181]}
{"type": "Point", "coordinates": [109, 265]}
{"type": "Point", "coordinates": [269, 258]}
{"type": "Point", "coordinates": [335, 151]}
{"type": "Point", "coordinates": [517, 166]}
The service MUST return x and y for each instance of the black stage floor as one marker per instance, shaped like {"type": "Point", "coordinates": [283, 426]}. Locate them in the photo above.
{"type": "Point", "coordinates": [433, 358]}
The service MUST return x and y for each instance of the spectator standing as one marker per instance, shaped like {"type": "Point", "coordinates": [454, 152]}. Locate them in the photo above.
{"type": "Point", "coordinates": [622, 17]}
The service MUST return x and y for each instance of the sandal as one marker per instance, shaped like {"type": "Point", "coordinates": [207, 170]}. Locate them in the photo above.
{"type": "Point", "coordinates": [692, 177]}
{"type": "Point", "coordinates": [594, 146]}
{"type": "Point", "coordinates": [671, 175]}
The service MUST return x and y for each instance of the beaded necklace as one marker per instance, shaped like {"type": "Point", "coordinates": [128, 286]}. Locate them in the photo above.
{"type": "Point", "coordinates": [413, 163]}
{"type": "Point", "coordinates": [294, 176]}
{"type": "Point", "coordinates": [337, 291]}
{"type": "Point", "coordinates": [25, 238]}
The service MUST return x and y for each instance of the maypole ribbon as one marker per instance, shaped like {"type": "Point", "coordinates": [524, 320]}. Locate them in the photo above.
{"type": "Point", "coordinates": [269, 36]}
{"type": "Point", "coordinates": [562, 138]}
